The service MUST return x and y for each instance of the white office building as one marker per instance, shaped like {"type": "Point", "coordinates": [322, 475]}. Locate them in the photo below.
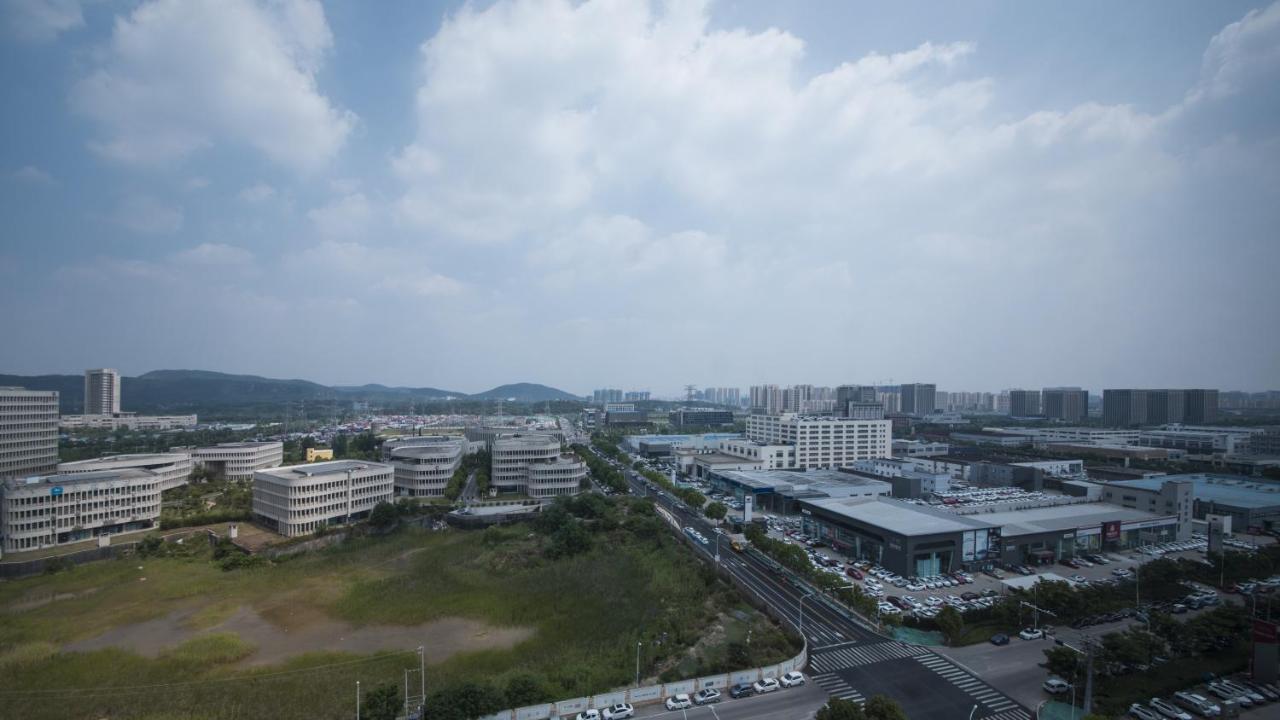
{"type": "Point", "coordinates": [50, 510]}
{"type": "Point", "coordinates": [101, 391]}
{"type": "Point", "coordinates": [127, 421]}
{"type": "Point", "coordinates": [173, 468]}
{"type": "Point", "coordinates": [28, 432]}
{"type": "Point", "coordinates": [424, 465]}
{"type": "Point", "coordinates": [534, 464]}
{"type": "Point", "coordinates": [299, 499]}
{"type": "Point", "coordinates": [239, 460]}
{"type": "Point", "coordinates": [822, 441]}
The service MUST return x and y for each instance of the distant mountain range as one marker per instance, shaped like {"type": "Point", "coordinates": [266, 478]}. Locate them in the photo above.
{"type": "Point", "coordinates": [176, 391]}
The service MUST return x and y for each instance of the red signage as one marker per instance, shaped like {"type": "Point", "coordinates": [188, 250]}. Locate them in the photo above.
{"type": "Point", "coordinates": [1265, 632]}
{"type": "Point", "coordinates": [1111, 530]}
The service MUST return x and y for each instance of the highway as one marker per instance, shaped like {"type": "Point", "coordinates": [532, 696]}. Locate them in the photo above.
{"type": "Point", "coordinates": [848, 658]}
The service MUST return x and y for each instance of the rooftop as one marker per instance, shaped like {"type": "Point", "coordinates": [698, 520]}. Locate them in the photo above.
{"type": "Point", "coordinates": [245, 445]}
{"type": "Point", "coordinates": [1055, 518]}
{"type": "Point", "coordinates": [1235, 490]}
{"type": "Point", "coordinates": [772, 479]}
{"type": "Point", "coordinates": [526, 439]}
{"type": "Point", "coordinates": [128, 459]}
{"type": "Point", "coordinates": [901, 517]}
{"type": "Point", "coordinates": [336, 467]}
{"type": "Point", "coordinates": [79, 478]}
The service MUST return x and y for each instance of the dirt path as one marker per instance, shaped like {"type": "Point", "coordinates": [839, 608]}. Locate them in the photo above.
{"type": "Point", "coordinates": [296, 633]}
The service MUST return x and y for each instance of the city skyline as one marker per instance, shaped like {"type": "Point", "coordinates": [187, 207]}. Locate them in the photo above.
{"type": "Point", "coordinates": [621, 207]}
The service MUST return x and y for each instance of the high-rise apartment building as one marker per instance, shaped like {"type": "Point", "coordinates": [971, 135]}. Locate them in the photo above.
{"type": "Point", "coordinates": [918, 398]}
{"type": "Point", "coordinates": [1024, 403]}
{"type": "Point", "coordinates": [606, 395]}
{"type": "Point", "coordinates": [28, 432]}
{"type": "Point", "coordinates": [1127, 407]}
{"type": "Point", "coordinates": [1165, 406]}
{"type": "Point", "coordinates": [101, 391]}
{"type": "Point", "coordinates": [766, 399]}
{"type": "Point", "coordinates": [1201, 406]}
{"type": "Point", "coordinates": [1070, 404]}
{"type": "Point", "coordinates": [1124, 407]}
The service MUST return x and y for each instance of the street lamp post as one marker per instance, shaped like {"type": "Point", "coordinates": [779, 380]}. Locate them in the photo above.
{"type": "Point", "coordinates": [357, 700]}
{"type": "Point", "coordinates": [638, 643]}
{"type": "Point", "coordinates": [801, 604]}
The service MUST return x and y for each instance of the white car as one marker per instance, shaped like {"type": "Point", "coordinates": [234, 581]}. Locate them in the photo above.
{"type": "Point", "coordinates": [1200, 704]}
{"type": "Point", "coordinates": [621, 711]}
{"type": "Point", "coordinates": [679, 702]}
{"type": "Point", "coordinates": [1168, 709]}
{"type": "Point", "coordinates": [588, 715]}
{"type": "Point", "coordinates": [766, 685]}
{"type": "Point", "coordinates": [1029, 634]}
{"type": "Point", "coordinates": [1140, 713]}
{"type": "Point", "coordinates": [1056, 686]}
{"type": "Point", "coordinates": [793, 679]}
{"type": "Point", "coordinates": [706, 696]}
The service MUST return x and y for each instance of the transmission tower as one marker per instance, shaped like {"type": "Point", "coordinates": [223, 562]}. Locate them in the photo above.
{"type": "Point", "coordinates": [688, 392]}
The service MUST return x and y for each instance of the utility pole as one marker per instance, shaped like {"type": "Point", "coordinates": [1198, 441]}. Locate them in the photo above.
{"type": "Point", "coordinates": [638, 644]}
{"type": "Point", "coordinates": [357, 700]}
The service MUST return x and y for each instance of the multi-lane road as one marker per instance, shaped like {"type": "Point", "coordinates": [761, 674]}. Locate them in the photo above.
{"type": "Point", "coordinates": [847, 657]}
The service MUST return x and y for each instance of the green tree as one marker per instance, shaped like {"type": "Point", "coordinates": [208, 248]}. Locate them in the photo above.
{"type": "Point", "coordinates": [569, 540]}
{"type": "Point", "coordinates": [715, 510]}
{"type": "Point", "coordinates": [381, 703]}
{"type": "Point", "coordinates": [383, 516]}
{"type": "Point", "coordinates": [880, 707]}
{"type": "Point", "coordinates": [951, 623]}
{"type": "Point", "coordinates": [526, 689]}
{"type": "Point", "coordinates": [838, 709]}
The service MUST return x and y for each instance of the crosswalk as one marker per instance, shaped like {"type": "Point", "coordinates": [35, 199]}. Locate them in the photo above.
{"type": "Point", "coordinates": [984, 694]}
{"type": "Point", "coordinates": [836, 687]}
{"type": "Point", "coordinates": [822, 661]}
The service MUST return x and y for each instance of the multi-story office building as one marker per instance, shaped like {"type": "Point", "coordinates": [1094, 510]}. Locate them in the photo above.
{"type": "Point", "coordinates": [1024, 403]}
{"type": "Point", "coordinates": [299, 499]}
{"type": "Point", "coordinates": [917, 398]}
{"type": "Point", "coordinates": [173, 468]}
{"type": "Point", "coordinates": [694, 417]}
{"type": "Point", "coordinates": [238, 460]}
{"type": "Point", "coordinates": [101, 391]}
{"type": "Point", "coordinates": [823, 442]}
{"type": "Point", "coordinates": [1201, 406]}
{"type": "Point", "coordinates": [1070, 404]}
{"type": "Point", "coordinates": [535, 465]}
{"type": "Point", "coordinates": [424, 467]}
{"type": "Point", "coordinates": [28, 432]}
{"type": "Point", "coordinates": [49, 510]}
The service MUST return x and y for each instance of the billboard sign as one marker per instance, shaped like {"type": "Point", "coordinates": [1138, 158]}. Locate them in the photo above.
{"type": "Point", "coordinates": [55, 491]}
{"type": "Point", "coordinates": [1111, 530]}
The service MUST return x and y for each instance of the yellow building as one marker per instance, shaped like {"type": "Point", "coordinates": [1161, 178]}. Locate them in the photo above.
{"type": "Point", "coordinates": [314, 454]}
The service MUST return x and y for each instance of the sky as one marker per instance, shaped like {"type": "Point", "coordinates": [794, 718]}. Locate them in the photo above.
{"type": "Point", "coordinates": [619, 193]}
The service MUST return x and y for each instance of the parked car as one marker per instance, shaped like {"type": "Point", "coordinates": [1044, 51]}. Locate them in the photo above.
{"type": "Point", "coordinates": [679, 702]}
{"type": "Point", "coordinates": [765, 685]}
{"type": "Point", "coordinates": [588, 715]}
{"type": "Point", "coordinates": [1199, 704]}
{"type": "Point", "coordinates": [794, 678]}
{"type": "Point", "coordinates": [1254, 696]}
{"type": "Point", "coordinates": [999, 639]}
{"type": "Point", "coordinates": [742, 690]}
{"type": "Point", "coordinates": [1030, 634]}
{"type": "Point", "coordinates": [1140, 713]}
{"type": "Point", "coordinates": [1168, 709]}
{"type": "Point", "coordinates": [706, 696]}
{"type": "Point", "coordinates": [1226, 694]}
{"type": "Point", "coordinates": [621, 711]}
{"type": "Point", "coordinates": [1056, 686]}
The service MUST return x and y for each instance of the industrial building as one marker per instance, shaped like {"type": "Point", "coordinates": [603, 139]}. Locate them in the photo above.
{"type": "Point", "coordinates": [128, 421]}
{"type": "Point", "coordinates": [823, 441]}
{"type": "Point", "coordinates": [238, 461]}
{"type": "Point", "coordinates": [919, 448]}
{"type": "Point", "coordinates": [781, 490]}
{"type": "Point", "coordinates": [173, 468]}
{"type": "Point", "coordinates": [299, 499]}
{"type": "Point", "coordinates": [699, 417]}
{"type": "Point", "coordinates": [46, 511]}
{"type": "Point", "coordinates": [1252, 504]}
{"type": "Point", "coordinates": [652, 446]}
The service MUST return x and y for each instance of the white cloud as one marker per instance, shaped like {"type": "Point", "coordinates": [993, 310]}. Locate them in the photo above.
{"type": "Point", "coordinates": [214, 254]}
{"type": "Point", "coordinates": [180, 77]}
{"type": "Point", "coordinates": [43, 20]}
{"type": "Point", "coordinates": [32, 175]}
{"type": "Point", "coordinates": [146, 215]}
{"type": "Point", "coordinates": [348, 216]}
{"type": "Point", "coordinates": [257, 193]}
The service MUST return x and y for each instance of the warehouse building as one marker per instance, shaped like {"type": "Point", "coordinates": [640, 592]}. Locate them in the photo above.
{"type": "Point", "coordinates": [300, 499]}
{"type": "Point", "coordinates": [780, 490]}
{"type": "Point", "coordinates": [1252, 504]}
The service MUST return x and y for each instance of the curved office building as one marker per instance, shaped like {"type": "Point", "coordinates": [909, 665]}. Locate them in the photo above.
{"type": "Point", "coordinates": [424, 466]}
{"type": "Point", "coordinates": [173, 468]}
{"type": "Point", "coordinates": [534, 464]}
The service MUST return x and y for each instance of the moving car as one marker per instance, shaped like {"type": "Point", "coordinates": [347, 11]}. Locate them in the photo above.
{"type": "Point", "coordinates": [706, 696]}
{"type": "Point", "coordinates": [1030, 634]}
{"type": "Point", "coordinates": [765, 685]}
{"type": "Point", "coordinates": [1056, 686]}
{"type": "Point", "coordinates": [999, 639]}
{"type": "Point", "coordinates": [794, 678]}
{"type": "Point", "coordinates": [741, 690]}
{"type": "Point", "coordinates": [621, 711]}
{"type": "Point", "coordinates": [679, 702]}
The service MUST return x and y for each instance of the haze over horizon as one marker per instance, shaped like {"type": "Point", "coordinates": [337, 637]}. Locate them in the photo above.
{"type": "Point", "coordinates": [625, 194]}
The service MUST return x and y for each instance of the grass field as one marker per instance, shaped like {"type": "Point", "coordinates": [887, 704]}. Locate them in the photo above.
{"type": "Point", "coordinates": [585, 613]}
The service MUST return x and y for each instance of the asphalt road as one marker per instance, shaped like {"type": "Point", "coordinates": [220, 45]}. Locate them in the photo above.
{"type": "Point", "coordinates": [848, 658]}
{"type": "Point", "coordinates": [786, 704]}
